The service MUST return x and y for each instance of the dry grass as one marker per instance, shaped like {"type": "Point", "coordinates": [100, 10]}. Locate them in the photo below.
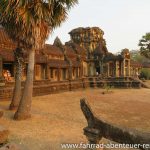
{"type": "Point", "coordinates": [58, 119]}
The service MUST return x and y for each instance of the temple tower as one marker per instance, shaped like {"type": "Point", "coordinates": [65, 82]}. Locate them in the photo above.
{"type": "Point", "coordinates": [89, 38]}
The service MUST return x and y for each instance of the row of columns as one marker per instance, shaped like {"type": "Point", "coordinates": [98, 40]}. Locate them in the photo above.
{"type": "Point", "coordinates": [125, 67]}
{"type": "Point", "coordinates": [78, 72]}
{"type": "Point", "coordinates": [119, 68]}
{"type": "Point", "coordinates": [45, 72]}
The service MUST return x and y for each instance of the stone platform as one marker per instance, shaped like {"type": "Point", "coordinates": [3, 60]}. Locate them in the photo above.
{"type": "Point", "coordinates": [45, 87]}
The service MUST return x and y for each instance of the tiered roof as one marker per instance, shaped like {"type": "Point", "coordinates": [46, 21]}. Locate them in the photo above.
{"type": "Point", "coordinates": [7, 46]}
{"type": "Point", "coordinates": [136, 64]}
{"type": "Point", "coordinates": [52, 50]}
{"type": "Point", "coordinates": [146, 65]}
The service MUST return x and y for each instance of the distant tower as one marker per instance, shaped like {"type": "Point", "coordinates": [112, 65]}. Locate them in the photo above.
{"type": "Point", "coordinates": [89, 38]}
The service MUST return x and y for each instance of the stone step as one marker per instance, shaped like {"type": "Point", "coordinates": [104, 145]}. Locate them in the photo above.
{"type": "Point", "coordinates": [3, 134]}
{"type": "Point", "coordinates": [145, 85]}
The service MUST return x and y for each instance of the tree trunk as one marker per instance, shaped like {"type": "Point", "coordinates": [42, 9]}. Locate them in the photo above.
{"type": "Point", "coordinates": [24, 109]}
{"type": "Point", "coordinates": [16, 93]}
{"type": "Point", "coordinates": [17, 88]}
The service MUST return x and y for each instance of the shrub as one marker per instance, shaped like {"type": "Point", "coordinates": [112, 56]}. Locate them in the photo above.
{"type": "Point", "coordinates": [145, 73]}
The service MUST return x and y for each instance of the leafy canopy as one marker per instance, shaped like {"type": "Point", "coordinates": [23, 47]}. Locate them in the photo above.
{"type": "Point", "coordinates": [30, 21]}
{"type": "Point", "coordinates": [145, 45]}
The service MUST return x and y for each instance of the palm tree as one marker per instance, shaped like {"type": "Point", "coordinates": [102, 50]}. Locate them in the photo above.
{"type": "Point", "coordinates": [19, 59]}
{"type": "Point", "coordinates": [19, 63]}
{"type": "Point", "coordinates": [34, 21]}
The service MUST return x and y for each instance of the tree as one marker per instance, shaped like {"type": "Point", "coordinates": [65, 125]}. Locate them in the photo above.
{"type": "Point", "coordinates": [135, 55]}
{"type": "Point", "coordinates": [34, 20]}
{"type": "Point", "coordinates": [19, 63]}
{"type": "Point", "coordinates": [145, 45]}
{"type": "Point", "coordinates": [18, 57]}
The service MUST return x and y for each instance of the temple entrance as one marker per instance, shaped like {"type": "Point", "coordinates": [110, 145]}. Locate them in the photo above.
{"type": "Point", "coordinates": [38, 72]}
{"type": "Point", "coordinates": [98, 70]}
{"type": "Point", "coordinates": [64, 74]}
{"type": "Point", "coordinates": [9, 67]}
{"type": "Point", "coordinates": [119, 69]}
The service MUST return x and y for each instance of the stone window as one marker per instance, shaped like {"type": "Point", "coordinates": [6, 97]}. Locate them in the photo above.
{"type": "Point", "coordinates": [73, 71]}
{"type": "Point", "coordinates": [52, 73]}
{"type": "Point", "coordinates": [37, 70]}
{"type": "Point", "coordinates": [64, 73]}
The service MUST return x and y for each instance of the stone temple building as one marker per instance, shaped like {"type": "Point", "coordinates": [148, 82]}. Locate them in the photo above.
{"type": "Point", "coordinates": [99, 60]}
{"type": "Point", "coordinates": [85, 55]}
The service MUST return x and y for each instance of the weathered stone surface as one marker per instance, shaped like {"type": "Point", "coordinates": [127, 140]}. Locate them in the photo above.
{"type": "Point", "coordinates": [11, 146]}
{"type": "Point", "coordinates": [3, 134]}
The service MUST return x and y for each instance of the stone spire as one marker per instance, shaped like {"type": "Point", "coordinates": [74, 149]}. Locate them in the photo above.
{"type": "Point", "coordinates": [57, 42]}
{"type": "Point", "coordinates": [89, 38]}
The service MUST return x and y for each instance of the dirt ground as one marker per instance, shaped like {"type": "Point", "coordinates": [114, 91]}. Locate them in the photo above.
{"type": "Point", "coordinates": [57, 118]}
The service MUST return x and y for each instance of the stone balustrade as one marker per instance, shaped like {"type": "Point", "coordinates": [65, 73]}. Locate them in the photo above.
{"type": "Point", "coordinates": [98, 128]}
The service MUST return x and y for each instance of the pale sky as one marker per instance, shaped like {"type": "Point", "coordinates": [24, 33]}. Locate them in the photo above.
{"type": "Point", "coordinates": [123, 21]}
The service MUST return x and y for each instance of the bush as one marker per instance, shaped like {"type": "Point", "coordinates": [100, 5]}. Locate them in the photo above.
{"type": "Point", "coordinates": [145, 73]}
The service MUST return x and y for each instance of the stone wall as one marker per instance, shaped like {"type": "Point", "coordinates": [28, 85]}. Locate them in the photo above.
{"type": "Point", "coordinates": [44, 87]}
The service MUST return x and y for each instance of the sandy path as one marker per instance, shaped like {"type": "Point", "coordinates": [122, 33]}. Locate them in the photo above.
{"type": "Point", "coordinates": [57, 118]}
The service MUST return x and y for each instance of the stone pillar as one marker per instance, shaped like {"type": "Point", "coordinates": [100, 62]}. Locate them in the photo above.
{"type": "Point", "coordinates": [81, 71]}
{"type": "Point", "coordinates": [1, 68]}
{"type": "Point", "coordinates": [70, 72]}
{"type": "Point", "coordinates": [102, 69]}
{"type": "Point", "coordinates": [108, 69]}
{"type": "Point", "coordinates": [116, 69]}
{"type": "Point", "coordinates": [58, 74]}
{"type": "Point", "coordinates": [92, 69]}
{"type": "Point", "coordinates": [2, 81]}
{"type": "Point", "coordinates": [43, 70]}
{"type": "Point", "coordinates": [67, 73]}
{"type": "Point", "coordinates": [129, 73]}
{"type": "Point", "coordinates": [47, 72]}
{"type": "Point", "coordinates": [80, 74]}
{"type": "Point", "coordinates": [76, 73]}
{"type": "Point", "coordinates": [89, 69]}
{"type": "Point", "coordinates": [34, 75]}
{"type": "Point", "coordinates": [123, 68]}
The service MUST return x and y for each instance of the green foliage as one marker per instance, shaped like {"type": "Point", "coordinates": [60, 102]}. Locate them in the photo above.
{"type": "Point", "coordinates": [145, 73]}
{"type": "Point", "coordinates": [135, 55]}
{"type": "Point", "coordinates": [145, 45]}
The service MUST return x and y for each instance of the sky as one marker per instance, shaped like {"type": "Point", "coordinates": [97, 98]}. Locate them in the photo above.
{"type": "Point", "coordinates": [124, 22]}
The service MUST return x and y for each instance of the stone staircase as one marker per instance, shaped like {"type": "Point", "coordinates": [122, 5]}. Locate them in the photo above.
{"type": "Point", "coordinates": [119, 82]}
{"type": "Point", "coordinates": [143, 84]}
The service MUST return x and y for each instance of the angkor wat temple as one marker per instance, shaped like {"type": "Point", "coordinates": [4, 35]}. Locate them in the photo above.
{"type": "Point", "coordinates": [84, 56]}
